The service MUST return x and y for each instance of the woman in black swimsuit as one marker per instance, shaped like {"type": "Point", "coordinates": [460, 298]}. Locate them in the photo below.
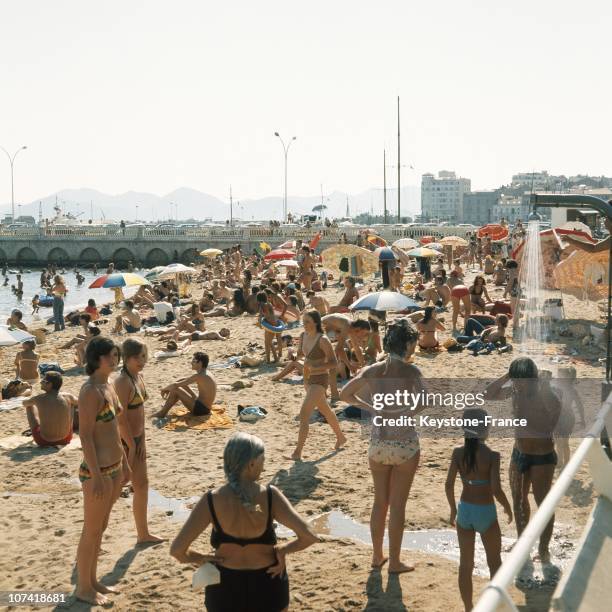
{"type": "Point", "coordinates": [251, 563]}
{"type": "Point", "coordinates": [132, 394]}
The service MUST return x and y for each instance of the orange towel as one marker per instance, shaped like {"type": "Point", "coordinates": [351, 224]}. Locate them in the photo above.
{"type": "Point", "coordinates": [182, 419]}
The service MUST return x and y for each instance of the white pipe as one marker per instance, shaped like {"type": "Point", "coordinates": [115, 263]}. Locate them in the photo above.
{"type": "Point", "coordinates": [491, 596]}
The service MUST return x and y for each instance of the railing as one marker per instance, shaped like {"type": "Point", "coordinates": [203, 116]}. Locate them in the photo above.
{"type": "Point", "coordinates": [600, 468]}
{"type": "Point", "coordinates": [272, 234]}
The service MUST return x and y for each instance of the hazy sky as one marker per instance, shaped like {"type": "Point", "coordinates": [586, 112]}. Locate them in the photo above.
{"type": "Point", "coordinates": [152, 95]}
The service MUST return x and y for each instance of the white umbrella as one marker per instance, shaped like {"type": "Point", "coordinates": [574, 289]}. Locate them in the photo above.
{"type": "Point", "coordinates": [405, 243]}
{"type": "Point", "coordinates": [174, 269]}
{"type": "Point", "coordinates": [153, 272]}
{"type": "Point", "coordinates": [384, 300]}
{"type": "Point", "coordinates": [9, 336]}
{"type": "Point", "coordinates": [288, 263]}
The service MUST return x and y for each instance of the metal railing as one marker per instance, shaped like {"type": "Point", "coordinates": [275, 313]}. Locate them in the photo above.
{"type": "Point", "coordinates": [600, 468]}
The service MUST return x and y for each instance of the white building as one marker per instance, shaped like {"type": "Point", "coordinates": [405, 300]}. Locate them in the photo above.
{"type": "Point", "coordinates": [442, 197]}
{"type": "Point", "coordinates": [537, 181]}
{"type": "Point", "coordinates": [511, 208]}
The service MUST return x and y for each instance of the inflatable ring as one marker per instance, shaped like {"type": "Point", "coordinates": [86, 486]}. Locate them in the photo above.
{"type": "Point", "coordinates": [276, 329]}
{"type": "Point", "coordinates": [45, 301]}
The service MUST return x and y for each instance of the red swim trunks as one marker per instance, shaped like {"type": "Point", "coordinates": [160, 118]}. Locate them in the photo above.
{"type": "Point", "coordinates": [459, 291]}
{"type": "Point", "coordinates": [42, 442]}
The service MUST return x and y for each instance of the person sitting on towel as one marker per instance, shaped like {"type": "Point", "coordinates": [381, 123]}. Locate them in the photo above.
{"type": "Point", "coordinates": [50, 414]}
{"type": "Point", "coordinates": [200, 404]}
{"type": "Point", "coordinates": [129, 319]}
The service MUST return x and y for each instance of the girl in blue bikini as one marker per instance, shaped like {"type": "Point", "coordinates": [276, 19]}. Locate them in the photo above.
{"type": "Point", "coordinates": [478, 468]}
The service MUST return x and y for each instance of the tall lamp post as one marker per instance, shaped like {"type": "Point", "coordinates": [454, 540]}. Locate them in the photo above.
{"type": "Point", "coordinates": [12, 162]}
{"type": "Point", "coordinates": [286, 150]}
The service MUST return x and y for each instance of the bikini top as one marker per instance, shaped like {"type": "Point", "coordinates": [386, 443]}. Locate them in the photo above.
{"type": "Point", "coordinates": [107, 413]}
{"type": "Point", "coordinates": [316, 352]}
{"type": "Point", "coordinates": [475, 483]}
{"type": "Point", "coordinates": [139, 397]}
{"type": "Point", "coordinates": [218, 536]}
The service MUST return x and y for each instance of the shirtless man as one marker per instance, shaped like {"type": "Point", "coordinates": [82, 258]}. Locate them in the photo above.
{"type": "Point", "coordinates": [319, 303]}
{"type": "Point", "coordinates": [351, 294]}
{"type": "Point", "coordinates": [533, 461]}
{"type": "Point", "coordinates": [50, 414]}
{"type": "Point", "coordinates": [438, 293]}
{"type": "Point", "coordinates": [200, 404]}
{"type": "Point", "coordinates": [129, 319]}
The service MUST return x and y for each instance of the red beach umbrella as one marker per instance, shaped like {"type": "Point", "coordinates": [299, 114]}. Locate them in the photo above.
{"type": "Point", "coordinates": [279, 254]}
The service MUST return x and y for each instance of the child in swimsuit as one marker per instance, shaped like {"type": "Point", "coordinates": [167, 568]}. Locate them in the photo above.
{"type": "Point", "coordinates": [478, 468]}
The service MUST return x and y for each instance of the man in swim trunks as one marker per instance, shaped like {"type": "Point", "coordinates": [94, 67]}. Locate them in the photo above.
{"type": "Point", "coordinates": [438, 293]}
{"type": "Point", "coordinates": [129, 319]}
{"type": "Point", "coordinates": [351, 294]}
{"type": "Point", "coordinates": [50, 414]}
{"type": "Point", "coordinates": [199, 404]}
{"type": "Point", "coordinates": [533, 458]}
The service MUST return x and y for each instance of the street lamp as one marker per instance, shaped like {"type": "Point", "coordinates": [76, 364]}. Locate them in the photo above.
{"type": "Point", "coordinates": [12, 162]}
{"type": "Point", "coordinates": [136, 213]}
{"type": "Point", "coordinates": [286, 150]}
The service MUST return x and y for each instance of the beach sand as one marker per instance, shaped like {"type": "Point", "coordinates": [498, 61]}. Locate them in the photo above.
{"type": "Point", "coordinates": [41, 504]}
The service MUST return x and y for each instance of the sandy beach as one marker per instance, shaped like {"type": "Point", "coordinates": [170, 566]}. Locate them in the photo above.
{"type": "Point", "coordinates": [41, 503]}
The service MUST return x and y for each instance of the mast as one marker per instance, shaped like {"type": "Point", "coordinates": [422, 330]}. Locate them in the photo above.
{"type": "Point", "coordinates": [231, 208]}
{"type": "Point", "coordinates": [398, 163]}
{"type": "Point", "coordinates": [348, 213]}
{"type": "Point", "coordinates": [385, 183]}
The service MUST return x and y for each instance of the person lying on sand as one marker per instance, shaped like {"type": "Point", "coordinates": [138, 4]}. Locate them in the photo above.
{"type": "Point", "coordinates": [129, 319]}
{"type": "Point", "coordinates": [294, 364]}
{"type": "Point", "coordinates": [199, 404]}
{"type": "Point", "coordinates": [50, 414]}
{"type": "Point", "coordinates": [84, 321]}
{"type": "Point", "coordinates": [209, 308]}
{"type": "Point", "coordinates": [222, 334]}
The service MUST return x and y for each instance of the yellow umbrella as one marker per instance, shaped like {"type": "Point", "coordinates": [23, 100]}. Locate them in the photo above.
{"type": "Point", "coordinates": [583, 275]}
{"type": "Point", "coordinates": [454, 241]}
{"type": "Point", "coordinates": [211, 252]}
{"type": "Point", "coordinates": [264, 246]}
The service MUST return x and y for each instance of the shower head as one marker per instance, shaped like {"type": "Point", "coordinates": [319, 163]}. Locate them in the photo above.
{"type": "Point", "coordinates": [534, 216]}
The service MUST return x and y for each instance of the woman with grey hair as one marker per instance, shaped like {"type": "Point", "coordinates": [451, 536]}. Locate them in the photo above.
{"type": "Point", "coordinates": [250, 561]}
{"type": "Point", "coordinates": [394, 450]}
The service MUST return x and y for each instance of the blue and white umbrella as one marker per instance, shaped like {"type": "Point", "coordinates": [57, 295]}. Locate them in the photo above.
{"type": "Point", "coordinates": [384, 300]}
{"type": "Point", "coordinates": [10, 336]}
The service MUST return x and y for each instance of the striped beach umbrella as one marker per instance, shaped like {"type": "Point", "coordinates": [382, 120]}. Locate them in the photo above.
{"type": "Point", "coordinates": [118, 279]}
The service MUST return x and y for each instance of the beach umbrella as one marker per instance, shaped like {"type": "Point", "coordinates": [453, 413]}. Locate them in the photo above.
{"type": "Point", "coordinates": [289, 244]}
{"type": "Point", "coordinates": [211, 252]}
{"type": "Point", "coordinates": [315, 241]}
{"type": "Point", "coordinates": [583, 275]}
{"type": "Point", "coordinates": [423, 252]}
{"type": "Point", "coordinates": [265, 247]}
{"type": "Point", "coordinates": [153, 272]}
{"type": "Point", "coordinates": [435, 245]}
{"type": "Point", "coordinates": [426, 239]}
{"type": "Point", "coordinates": [288, 263]}
{"type": "Point", "coordinates": [174, 269]}
{"type": "Point", "coordinates": [406, 243]}
{"type": "Point", "coordinates": [454, 241]}
{"type": "Point", "coordinates": [118, 279]}
{"type": "Point", "coordinates": [376, 240]}
{"type": "Point", "coordinates": [10, 336]}
{"type": "Point", "coordinates": [384, 254]}
{"type": "Point", "coordinates": [384, 300]}
{"type": "Point", "coordinates": [493, 231]}
{"type": "Point", "coordinates": [279, 254]}
{"type": "Point", "coordinates": [576, 226]}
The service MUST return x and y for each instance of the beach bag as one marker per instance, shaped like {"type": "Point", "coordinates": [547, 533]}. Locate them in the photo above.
{"type": "Point", "coordinates": [344, 265]}
{"type": "Point", "coordinates": [106, 310]}
{"type": "Point", "coordinates": [43, 368]}
{"type": "Point", "coordinates": [353, 412]}
{"type": "Point", "coordinates": [251, 414]}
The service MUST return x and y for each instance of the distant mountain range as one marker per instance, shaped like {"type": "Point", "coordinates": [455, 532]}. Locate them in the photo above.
{"type": "Point", "coordinates": [186, 203]}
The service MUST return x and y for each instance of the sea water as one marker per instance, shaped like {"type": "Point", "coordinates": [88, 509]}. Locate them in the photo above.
{"type": "Point", "coordinates": [76, 297]}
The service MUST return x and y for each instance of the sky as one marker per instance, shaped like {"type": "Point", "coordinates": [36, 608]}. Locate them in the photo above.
{"type": "Point", "coordinates": [152, 96]}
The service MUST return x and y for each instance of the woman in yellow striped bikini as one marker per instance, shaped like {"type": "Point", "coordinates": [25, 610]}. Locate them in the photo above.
{"type": "Point", "coordinates": [104, 469]}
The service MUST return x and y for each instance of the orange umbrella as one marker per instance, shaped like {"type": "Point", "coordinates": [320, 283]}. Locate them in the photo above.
{"type": "Point", "coordinates": [493, 231]}
{"type": "Point", "coordinates": [427, 239]}
{"type": "Point", "coordinates": [315, 241]}
{"type": "Point", "coordinates": [376, 240]}
{"type": "Point", "coordinates": [584, 275]}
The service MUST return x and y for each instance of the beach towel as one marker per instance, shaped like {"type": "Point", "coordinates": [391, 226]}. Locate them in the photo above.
{"type": "Point", "coordinates": [11, 404]}
{"type": "Point", "coordinates": [182, 419]}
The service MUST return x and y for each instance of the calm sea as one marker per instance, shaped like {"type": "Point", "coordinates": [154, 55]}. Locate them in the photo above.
{"type": "Point", "coordinates": [75, 298]}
